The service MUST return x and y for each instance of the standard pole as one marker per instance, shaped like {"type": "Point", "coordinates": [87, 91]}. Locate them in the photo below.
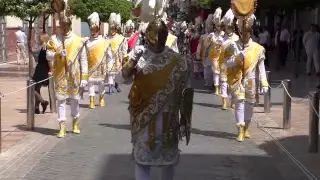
{"type": "Point", "coordinates": [313, 122]}
{"type": "Point", "coordinates": [287, 104]}
{"type": "Point", "coordinates": [30, 105]}
{"type": "Point", "coordinates": [267, 96]}
{"type": "Point", "coordinates": [52, 95]}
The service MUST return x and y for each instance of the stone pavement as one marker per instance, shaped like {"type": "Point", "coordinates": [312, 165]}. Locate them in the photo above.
{"type": "Point", "coordinates": [13, 112]}
{"type": "Point", "coordinates": [103, 149]}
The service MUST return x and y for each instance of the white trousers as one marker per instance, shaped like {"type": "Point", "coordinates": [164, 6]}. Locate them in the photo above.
{"type": "Point", "coordinates": [74, 106]}
{"type": "Point", "coordinates": [142, 172]}
{"type": "Point", "coordinates": [313, 56]}
{"type": "Point", "coordinates": [110, 79]}
{"type": "Point", "coordinates": [21, 53]}
{"type": "Point", "coordinates": [92, 88]}
{"type": "Point", "coordinates": [216, 79]}
{"type": "Point", "coordinates": [224, 89]}
{"type": "Point", "coordinates": [243, 112]}
{"type": "Point", "coordinates": [208, 75]}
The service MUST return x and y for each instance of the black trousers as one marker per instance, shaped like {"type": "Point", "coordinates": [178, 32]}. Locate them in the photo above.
{"type": "Point", "coordinates": [283, 54]}
{"type": "Point", "coordinates": [37, 95]}
{"type": "Point", "coordinates": [266, 61]}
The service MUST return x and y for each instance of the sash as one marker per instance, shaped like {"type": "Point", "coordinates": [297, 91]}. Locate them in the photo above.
{"type": "Point", "coordinates": [133, 40]}
{"type": "Point", "coordinates": [96, 54]}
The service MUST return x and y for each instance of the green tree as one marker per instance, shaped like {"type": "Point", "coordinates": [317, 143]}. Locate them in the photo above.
{"type": "Point", "coordinates": [205, 4]}
{"type": "Point", "coordinates": [28, 10]}
{"type": "Point", "coordinates": [83, 8]}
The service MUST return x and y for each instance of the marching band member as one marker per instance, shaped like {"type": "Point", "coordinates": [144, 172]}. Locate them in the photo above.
{"type": "Point", "coordinates": [153, 110]}
{"type": "Point", "coordinates": [119, 48]}
{"type": "Point", "coordinates": [97, 60]}
{"type": "Point", "coordinates": [229, 38]}
{"type": "Point", "coordinates": [131, 35]}
{"type": "Point", "coordinates": [187, 41]}
{"type": "Point", "coordinates": [70, 70]}
{"type": "Point", "coordinates": [207, 62]}
{"type": "Point", "coordinates": [242, 70]}
{"type": "Point", "coordinates": [216, 41]}
{"type": "Point", "coordinates": [195, 43]}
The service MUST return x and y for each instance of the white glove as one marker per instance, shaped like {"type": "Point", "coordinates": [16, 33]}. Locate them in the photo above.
{"type": "Point", "coordinates": [83, 83]}
{"type": "Point", "coordinates": [63, 53]}
{"type": "Point", "coordinates": [264, 90]}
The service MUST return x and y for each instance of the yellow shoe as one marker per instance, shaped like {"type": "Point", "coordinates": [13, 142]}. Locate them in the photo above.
{"type": "Point", "coordinates": [217, 92]}
{"type": "Point", "coordinates": [246, 131]}
{"type": "Point", "coordinates": [76, 127]}
{"type": "Point", "coordinates": [63, 130]}
{"type": "Point", "coordinates": [101, 101]}
{"type": "Point", "coordinates": [233, 105]}
{"type": "Point", "coordinates": [92, 103]}
{"type": "Point", "coordinates": [224, 104]}
{"type": "Point", "coordinates": [240, 137]}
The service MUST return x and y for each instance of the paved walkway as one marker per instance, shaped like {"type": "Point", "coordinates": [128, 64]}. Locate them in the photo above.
{"type": "Point", "coordinates": [14, 109]}
{"type": "Point", "coordinates": [103, 149]}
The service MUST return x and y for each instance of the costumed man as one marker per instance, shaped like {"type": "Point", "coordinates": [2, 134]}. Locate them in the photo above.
{"type": "Point", "coordinates": [69, 56]}
{"type": "Point", "coordinates": [216, 42]}
{"type": "Point", "coordinates": [228, 38]}
{"type": "Point", "coordinates": [131, 35]}
{"type": "Point", "coordinates": [207, 63]}
{"type": "Point", "coordinates": [195, 43]}
{"type": "Point", "coordinates": [201, 54]}
{"type": "Point", "coordinates": [248, 59]}
{"type": "Point", "coordinates": [97, 47]}
{"type": "Point", "coordinates": [154, 110]}
{"type": "Point", "coordinates": [119, 48]}
{"type": "Point", "coordinates": [187, 41]}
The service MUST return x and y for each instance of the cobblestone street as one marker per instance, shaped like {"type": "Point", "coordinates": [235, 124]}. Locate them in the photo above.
{"type": "Point", "coordinates": [102, 151]}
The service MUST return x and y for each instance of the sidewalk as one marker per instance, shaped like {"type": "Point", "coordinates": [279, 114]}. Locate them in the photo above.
{"type": "Point", "coordinates": [13, 109]}
{"type": "Point", "coordinates": [294, 140]}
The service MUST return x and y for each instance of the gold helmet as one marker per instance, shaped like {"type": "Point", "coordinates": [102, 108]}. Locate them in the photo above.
{"type": "Point", "coordinates": [152, 12]}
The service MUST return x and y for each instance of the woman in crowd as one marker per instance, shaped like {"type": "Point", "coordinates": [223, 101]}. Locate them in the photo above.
{"type": "Point", "coordinates": [40, 74]}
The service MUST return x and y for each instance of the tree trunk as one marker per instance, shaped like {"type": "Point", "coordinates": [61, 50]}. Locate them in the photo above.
{"type": "Point", "coordinates": [30, 49]}
{"type": "Point", "coordinates": [54, 25]}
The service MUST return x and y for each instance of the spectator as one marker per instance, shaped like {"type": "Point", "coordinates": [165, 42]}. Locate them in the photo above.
{"type": "Point", "coordinates": [264, 40]}
{"type": "Point", "coordinates": [283, 45]}
{"type": "Point", "coordinates": [311, 41]}
{"type": "Point", "coordinates": [21, 39]}
{"type": "Point", "coordinates": [41, 73]}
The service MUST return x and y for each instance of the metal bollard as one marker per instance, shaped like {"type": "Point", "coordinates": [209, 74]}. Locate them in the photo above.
{"type": "Point", "coordinates": [52, 96]}
{"type": "Point", "coordinates": [286, 104]}
{"type": "Point", "coordinates": [267, 96]}
{"type": "Point", "coordinates": [313, 122]}
{"type": "Point", "coordinates": [30, 105]}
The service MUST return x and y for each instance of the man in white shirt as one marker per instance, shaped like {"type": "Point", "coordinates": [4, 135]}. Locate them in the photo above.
{"type": "Point", "coordinates": [311, 41]}
{"type": "Point", "coordinates": [21, 38]}
{"type": "Point", "coordinates": [283, 45]}
{"type": "Point", "coordinates": [264, 40]}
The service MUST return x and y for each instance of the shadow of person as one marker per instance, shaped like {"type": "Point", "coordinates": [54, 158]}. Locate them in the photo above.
{"type": "Point", "coordinates": [208, 105]}
{"type": "Point", "coordinates": [41, 130]}
{"type": "Point", "coordinates": [197, 166]}
{"type": "Point", "coordinates": [216, 134]}
{"type": "Point", "coordinates": [117, 126]}
{"type": "Point", "coordinates": [22, 111]}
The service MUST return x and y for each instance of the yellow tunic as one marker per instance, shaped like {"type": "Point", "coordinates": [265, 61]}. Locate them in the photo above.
{"type": "Point", "coordinates": [97, 58]}
{"type": "Point", "coordinates": [119, 48]}
{"type": "Point", "coordinates": [226, 54]}
{"type": "Point", "coordinates": [241, 76]}
{"type": "Point", "coordinates": [214, 50]}
{"type": "Point", "coordinates": [172, 42]}
{"type": "Point", "coordinates": [69, 71]}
